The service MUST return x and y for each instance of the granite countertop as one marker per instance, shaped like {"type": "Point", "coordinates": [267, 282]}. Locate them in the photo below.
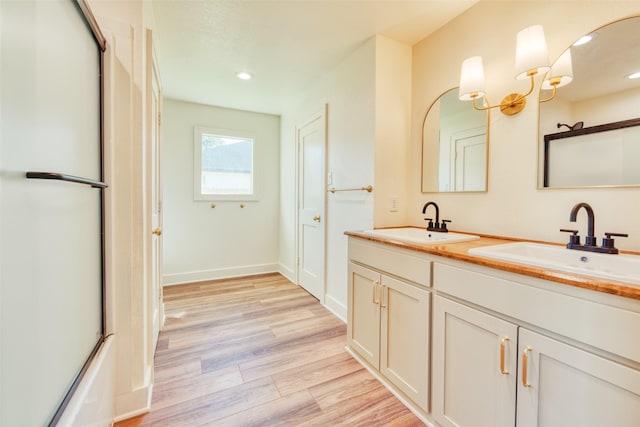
{"type": "Point", "coordinates": [460, 251]}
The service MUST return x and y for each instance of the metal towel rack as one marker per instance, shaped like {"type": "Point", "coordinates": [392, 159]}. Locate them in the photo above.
{"type": "Point", "coordinates": [68, 178]}
{"type": "Point", "coordinates": [368, 189]}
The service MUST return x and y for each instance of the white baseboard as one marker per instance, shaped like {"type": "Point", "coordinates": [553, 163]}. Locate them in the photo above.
{"type": "Point", "coordinates": [336, 307]}
{"type": "Point", "coordinates": [405, 401]}
{"type": "Point", "coordinates": [132, 404]}
{"type": "Point", "coordinates": [330, 303]}
{"type": "Point", "coordinates": [287, 272]}
{"type": "Point", "coordinates": [92, 402]}
{"type": "Point", "coordinates": [220, 273]}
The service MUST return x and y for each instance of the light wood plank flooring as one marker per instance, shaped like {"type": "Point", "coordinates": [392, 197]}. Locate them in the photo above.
{"type": "Point", "coordinates": [260, 351]}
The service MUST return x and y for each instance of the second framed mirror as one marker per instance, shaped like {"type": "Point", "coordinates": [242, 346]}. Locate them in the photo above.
{"type": "Point", "coordinates": [455, 146]}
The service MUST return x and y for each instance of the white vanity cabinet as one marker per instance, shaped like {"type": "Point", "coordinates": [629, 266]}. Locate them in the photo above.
{"type": "Point", "coordinates": [509, 352]}
{"type": "Point", "coordinates": [474, 367]}
{"type": "Point", "coordinates": [568, 386]}
{"type": "Point", "coordinates": [388, 316]}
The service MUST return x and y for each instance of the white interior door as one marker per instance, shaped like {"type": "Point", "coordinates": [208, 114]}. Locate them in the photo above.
{"type": "Point", "coordinates": [311, 205]}
{"type": "Point", "coordinates": [470, 161]}
{"type": "Point", "coordinates": [156, 200]}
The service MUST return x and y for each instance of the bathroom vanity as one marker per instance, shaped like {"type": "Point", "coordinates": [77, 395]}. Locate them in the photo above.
{"type": "Point", "coordinates": [469, 341]}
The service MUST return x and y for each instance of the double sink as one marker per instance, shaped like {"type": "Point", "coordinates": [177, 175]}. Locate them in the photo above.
{"type": "Point", "coordinates": [621, 267]}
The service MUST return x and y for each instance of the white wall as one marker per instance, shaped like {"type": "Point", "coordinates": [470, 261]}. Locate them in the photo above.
{"type": "Point", "coordinates": [514, 206]}
{"type": "Point", "coordinates": [368, 96]}
{"type": "Point", "coordinates": [349, 92]}
{"type": "Point", "coordinates": [203, 243]}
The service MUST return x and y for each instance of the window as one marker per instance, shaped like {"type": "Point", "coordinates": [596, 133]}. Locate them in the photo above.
{"type": "Point", "coordinates": [223, 165]}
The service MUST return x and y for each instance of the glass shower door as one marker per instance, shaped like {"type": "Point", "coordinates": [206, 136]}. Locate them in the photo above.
{"type": "Point", "coordinates": [51, 269]}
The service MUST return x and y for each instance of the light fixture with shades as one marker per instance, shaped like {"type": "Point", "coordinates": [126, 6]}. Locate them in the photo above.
{"type": "Point", "coordinates": [560, 75]}
{"type": "Point", "coordinates": [532, 59]}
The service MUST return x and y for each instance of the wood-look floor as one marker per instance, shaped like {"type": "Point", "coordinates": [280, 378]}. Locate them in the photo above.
{"type": "Point", "coordinates": [260, 351]}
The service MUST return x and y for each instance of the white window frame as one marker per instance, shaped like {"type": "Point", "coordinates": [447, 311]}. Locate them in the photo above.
{"type": "Point", "coordinates": [197, 165]}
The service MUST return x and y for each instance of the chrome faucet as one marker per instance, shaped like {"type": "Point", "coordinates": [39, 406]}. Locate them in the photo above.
{"type": "Point", "coordinates": [437, 226]}
{"type": "Point", "coordinates": [590, 243]}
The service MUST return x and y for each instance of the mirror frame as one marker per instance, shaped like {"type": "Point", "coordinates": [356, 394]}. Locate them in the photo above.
{"type": "Point", "coordinates": [422, 149]}
{"type": "Point", "coordinates": [544, 140]}
{"type": "Point", "coordinates": [579, 132]}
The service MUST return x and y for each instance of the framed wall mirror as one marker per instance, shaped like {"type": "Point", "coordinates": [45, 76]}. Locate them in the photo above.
{"type": "Point", "coordinates": [455, 146]}
{"type": "Point", "coordinates": [589, 134]}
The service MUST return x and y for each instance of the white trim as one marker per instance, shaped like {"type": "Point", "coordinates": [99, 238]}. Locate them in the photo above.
{"type": "Point", "coordinates": [93, 401]}
{"type": "Point", "coordinates": [287, 272]}
{"type": "Point", "coordinates": [336, 307]}
{"type": "Point", "coordinates": [132, 404]}
{"type": "Point", "coordinates": [403, 399]}
{"type": "Point", "coordinates": [219, 273]}
{"type": "Point", "coordinates": [197, 151]}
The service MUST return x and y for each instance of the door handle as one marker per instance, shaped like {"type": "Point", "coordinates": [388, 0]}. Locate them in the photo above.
{"type": "Point", "coordinates": [316, 218]}
{"type": "Point", "coordinates": [157, 231]}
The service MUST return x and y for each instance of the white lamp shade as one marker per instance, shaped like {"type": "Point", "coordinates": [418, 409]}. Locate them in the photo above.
{"type": "Point", "coordinates": [471, 79]}
{"type": "Point", "coordinates": [561, 69]}
{"type": "Point", "coordinates": [531, 52]}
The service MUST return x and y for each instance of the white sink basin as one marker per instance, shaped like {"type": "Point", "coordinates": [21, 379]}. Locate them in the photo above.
{"type": "Point", "coordinates": [625, 268]}
{"type": "Point", "coordinates": [420, 235]}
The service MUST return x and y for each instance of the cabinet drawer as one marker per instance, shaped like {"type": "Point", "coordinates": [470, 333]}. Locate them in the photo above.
{"type": "Point", "coordinates": [589, 322]}
{"type": "Point", "coordinates": [404, 264]}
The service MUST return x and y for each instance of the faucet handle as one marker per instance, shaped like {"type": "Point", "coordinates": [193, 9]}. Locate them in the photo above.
{"type": "Point", "coordinates": [443, 227]}
{"type": "Point", "coordinates": [430, 225]}
{"type": "Point", "coordinates": [607, 241]}
{"type": "Point", "coordinates": [616, 234]}
{"type": "Point", "coordinates": [574, 239]}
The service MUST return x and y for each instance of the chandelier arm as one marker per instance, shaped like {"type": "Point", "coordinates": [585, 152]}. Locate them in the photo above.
{"type": "Point", "coordinates": [488, 107]}
{"type": "Point", "coordinates": [553, 95]}
{"type": "Point", "coordinates": [520, 97]}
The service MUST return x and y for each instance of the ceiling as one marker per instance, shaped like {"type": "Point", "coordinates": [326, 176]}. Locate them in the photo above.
{"type": "Point", "coordinates": [615, 49]}
{"type": "Point", "coordinates": [285, 44]}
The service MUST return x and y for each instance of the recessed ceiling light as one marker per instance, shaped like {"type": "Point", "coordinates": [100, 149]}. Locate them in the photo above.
{"type": "Point", "coordinates": [583, 40]}
{"type": "Point", "coordinates": [635, 75]}
{"type": "Point", "coordinates": [243, 75]}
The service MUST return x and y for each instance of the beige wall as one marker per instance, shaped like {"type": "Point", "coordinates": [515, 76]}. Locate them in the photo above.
{"type": "Point", "coordinates": [513, 206]}
{"type": "Point", "coordinates": [392, 130]}
{"type": "Point", "coordinates": [201, 243]}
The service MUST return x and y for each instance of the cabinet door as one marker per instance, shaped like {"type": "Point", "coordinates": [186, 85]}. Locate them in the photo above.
{"type": "Point", "coordinates": [404, 336]}
{"type": "Point", "coordinates": [363, 313]}
{"type": "Point", "coordinates": [474, 367]}
{"type": "Point", "coordinates": [560, 385]}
